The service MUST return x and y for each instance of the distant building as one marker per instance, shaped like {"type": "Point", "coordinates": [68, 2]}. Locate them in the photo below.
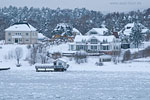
{"type": "Point", "coordinates": [94, 43]}
{"type": "Point", "coordinates": [127, 30]}
{"type": "Point", "coordinates": [21, 33]}
{"type": "Point", "coordinates": [124, 34]}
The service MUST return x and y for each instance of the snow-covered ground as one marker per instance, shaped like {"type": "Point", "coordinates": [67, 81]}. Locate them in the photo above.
{"type": "Point", "coordinates": [142, 47]}
{"type": "Point", "coordinates": [74, 85]}
{"type": "Point", "coordinates": [143, 65]}
{"type": "Point", "coordinates": [134, 66]}
{"type": "Point", "coordinates": [8, 50]}
{"type": "Point", "coordinates": [62, 48]}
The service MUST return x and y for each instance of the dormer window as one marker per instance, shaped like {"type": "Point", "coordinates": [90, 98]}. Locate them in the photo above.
{"type": "Point", "coordinates": [27, 34]}
{"type": "Point", "coordinates": [105, 41]}
{"type": "Point", "coordinates": [9, 34]}
{"type": "Point", "coordinates": [128, 27]}
{"type": "Point", "coordinates": [94, 41]}
{"type": "Point", "coordinates": [93, 33]}
{"type": "Point", "coordinates": [18, 33]}
{"type": "Point", "coordinates": [34, 34]}
{"type": "Point", "coordinates": [9, 40]}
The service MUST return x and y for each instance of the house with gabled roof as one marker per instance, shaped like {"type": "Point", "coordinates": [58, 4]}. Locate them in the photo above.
{"type": "Point", "coordinates": [96, 43]}
{"type": "Point", "coordinates": [21, 33]}
{"type": "Point", "coordinates": [125, 33]}
{"type": "Point", "coordinates": [127, 30]}
{"type": "Point", "coordinates": [97, 31]}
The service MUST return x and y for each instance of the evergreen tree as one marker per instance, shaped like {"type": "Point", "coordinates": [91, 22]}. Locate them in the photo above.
{"type": "Point", "coordinates": [136, 36]}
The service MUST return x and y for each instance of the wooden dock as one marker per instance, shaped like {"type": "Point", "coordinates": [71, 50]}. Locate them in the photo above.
{"type": "Point", "coordinates": [50, 68]}
{"type": "Point", "coordinates": [4, 69]}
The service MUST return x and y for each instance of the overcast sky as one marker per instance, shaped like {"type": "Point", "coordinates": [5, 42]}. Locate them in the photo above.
{"type": "Point", "coordinates": [98, 5]}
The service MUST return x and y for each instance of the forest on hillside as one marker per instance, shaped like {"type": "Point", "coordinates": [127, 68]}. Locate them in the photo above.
{"type": "Point", "coordinates": [46, 19]}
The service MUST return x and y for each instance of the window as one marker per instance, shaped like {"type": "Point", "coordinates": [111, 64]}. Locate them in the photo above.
{"type": "Point", "coordinates": [93, 32]}
{"type": "Point", "coordinates": [9, 34]}
{"type": "Point", "coordinates": [128, 27]}
{"type": "Point", "coordinates": [9, 39]}
{"type": "Point", "coordinates": [116, 47]}
{"type": "Point", "coordinates": [94, 41]}
{"type": "Point", "coordinates": [18, 33]}
{"type": "Point", "coordinates": [20, 39]}
{"type": "Point", "coordinates": [72, 47]}
{"type": "Point", "coordinates": [105, 41]}
{"type": "Point", "coordinates": [81, 47]}
{"type": "Point", "coordinates": [93, 47]}
{"type": "Point", "coordinates": [27, 39]}
{"type": "Point", "coordinates": [105, 48]}
{"type": "Point", "coordinates": [60, 64]}
{"type": "Point", "coordinates": [27, 34]}
{"type": "Point", "coordinates": [34, 34]}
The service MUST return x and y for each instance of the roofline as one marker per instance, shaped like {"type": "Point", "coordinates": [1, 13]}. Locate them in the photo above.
{"type": "Point", "coordinates": [18, 23]}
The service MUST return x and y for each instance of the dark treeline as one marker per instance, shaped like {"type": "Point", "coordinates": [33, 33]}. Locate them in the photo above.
{"type": "Point", "coordinates": [46, 19]}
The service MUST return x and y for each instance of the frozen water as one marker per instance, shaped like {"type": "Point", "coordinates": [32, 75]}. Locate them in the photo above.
{"type": "Point", "coordinates": [74, 85]}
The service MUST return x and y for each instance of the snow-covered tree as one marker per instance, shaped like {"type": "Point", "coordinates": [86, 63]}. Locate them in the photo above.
{"type": "Point", "coordinates": [127, 56]}
{"type": "Point", "coordinates": [136, 36]}
{"type": "Point", "coordinates": [42, 54]}
{"type": "Point", "coordinates": [18, 54]}
{"type": "Point", "coordinates": [63, 29]}
{"type": "Point", "coordinates": [33, 54]}
{"type": "Point", "coordinates": [45, 19]}
{"type": "Point", "coordinates": [80, 57]}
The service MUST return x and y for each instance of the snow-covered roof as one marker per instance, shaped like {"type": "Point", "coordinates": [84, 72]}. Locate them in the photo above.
{"type": "Point", "coordinates": [43, 65]}
{"type": "Point", "coordinates": [77, 31]}
{"type": "Point", "coordinates": [62, 59]}
{"type": "Point", "coordinates": [128, 28]}
{"type": "Point", "coordinates": [41, 36]}
{"type": "Point", "coordinates": [21, 27]}
{"type": "Point", "coordinates": [98, 31]}
{"type": "Point", "coordinates": [100, 38]}
{"type": "Point", "coordinates": [105, 57]}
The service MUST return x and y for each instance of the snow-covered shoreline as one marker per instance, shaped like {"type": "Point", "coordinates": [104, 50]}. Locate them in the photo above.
{"type": "Point", "coordinates": [138, 65]}
{"type": "Point", "coordinates": [107, 67]}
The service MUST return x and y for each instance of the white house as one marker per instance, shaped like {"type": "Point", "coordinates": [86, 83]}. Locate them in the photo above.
{"type": "Point", "coordinates": [96, 43]}
{"type": "Point", "coordinates": [21, 33]}
{"type": "Point", "coordinates": [127, 30]}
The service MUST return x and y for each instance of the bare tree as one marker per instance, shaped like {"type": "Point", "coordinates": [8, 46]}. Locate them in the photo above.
{"type": "Point", "coordinates": [18, 54]}
{"type": "Point", "coordinates": [80, 57]}
{"type": "Point", "coordinates": [127, 56]}
{"type": "Point", "coordinates": [33, 54]}
{"type": "Point", "coordinates": [43, 53]}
